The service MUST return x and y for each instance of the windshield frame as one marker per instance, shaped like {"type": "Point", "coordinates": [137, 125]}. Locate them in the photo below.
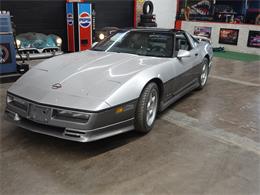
{"type": "Point", "coordinates": [124, 32]}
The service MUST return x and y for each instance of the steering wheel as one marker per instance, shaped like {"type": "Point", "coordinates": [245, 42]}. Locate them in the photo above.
{"type": "Point", "coordinates": [159, 49]}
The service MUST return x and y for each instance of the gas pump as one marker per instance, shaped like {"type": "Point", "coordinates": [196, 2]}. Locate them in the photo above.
{"type": "Point", "coordinates": [80, 24]}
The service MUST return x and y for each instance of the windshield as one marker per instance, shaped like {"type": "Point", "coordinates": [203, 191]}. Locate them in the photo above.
{"type": "Point", "coordinates": [156, 44]}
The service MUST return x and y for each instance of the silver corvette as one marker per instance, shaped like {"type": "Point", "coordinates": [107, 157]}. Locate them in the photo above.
{"type": "Point", "coordinates": [117, 86]}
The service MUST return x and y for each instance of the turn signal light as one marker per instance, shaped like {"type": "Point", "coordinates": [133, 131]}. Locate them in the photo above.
{"type": "Point", "coordinates": [119, 109]}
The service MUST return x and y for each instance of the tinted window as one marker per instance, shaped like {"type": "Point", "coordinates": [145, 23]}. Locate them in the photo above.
{"type": "Point", "coordinates": [156, 44]}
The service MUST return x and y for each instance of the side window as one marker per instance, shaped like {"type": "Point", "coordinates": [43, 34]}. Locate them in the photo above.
{"type": "Point", "coordinates": [182, 42]}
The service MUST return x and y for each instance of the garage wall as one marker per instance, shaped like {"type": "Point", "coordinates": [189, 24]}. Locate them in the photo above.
{"type": "Point", "coordinates": [242, 38]}
{"type": "Point", "coordinates": [49, 16]}
{"type": "Point", "coordinates": [38, 16]}
{"type": "Point", "coordinates": [118, 13]}
{"type": "Point", "coordinates": [165, 11]}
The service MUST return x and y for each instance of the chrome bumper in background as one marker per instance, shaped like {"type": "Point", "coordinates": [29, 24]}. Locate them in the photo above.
{"type": "Point", "coordinates": [99, 125]}
{"type": "Point", "coordinates": [31, 56]}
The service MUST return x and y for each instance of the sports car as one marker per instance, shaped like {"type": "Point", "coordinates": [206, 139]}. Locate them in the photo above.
{"type": "Point", "coordinates": [118, 86]}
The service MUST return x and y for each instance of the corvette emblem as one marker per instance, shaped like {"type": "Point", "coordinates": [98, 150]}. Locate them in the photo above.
{"type": "Point", "coordinates": [56, 86]}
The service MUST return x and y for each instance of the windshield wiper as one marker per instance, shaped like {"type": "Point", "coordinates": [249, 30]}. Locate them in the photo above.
{"type": "Point", "coordinates": [95, 49]}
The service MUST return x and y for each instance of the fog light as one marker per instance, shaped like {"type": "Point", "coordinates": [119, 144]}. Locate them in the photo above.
{"type": "Point", "coordinates": [9, 99]}
{"type": "Point", "coordinates": [70, 116]}
{"type": "Point", "coordinates": [17, 117]}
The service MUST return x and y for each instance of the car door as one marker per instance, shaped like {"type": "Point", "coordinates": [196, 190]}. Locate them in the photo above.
{"type": "Point", "coordinates": [184, 67]}
{"type": "Point", "coordinates": [198, 58]}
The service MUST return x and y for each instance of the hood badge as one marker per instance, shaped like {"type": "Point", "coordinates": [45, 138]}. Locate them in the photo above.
{"type": "Point", "coordinates": [56, 86]}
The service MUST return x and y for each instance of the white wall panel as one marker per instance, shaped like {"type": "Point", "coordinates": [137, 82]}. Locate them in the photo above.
{"type": "Point", "coordinates": [165, 11]}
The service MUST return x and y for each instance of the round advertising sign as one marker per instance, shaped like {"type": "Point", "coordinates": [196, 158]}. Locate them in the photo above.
{"type": "Point", "coordinates": [70, 19]}
{"type": "Point", "coordinates": [4, 54]}
{"type": "Point", "coordinates": [84, 20]}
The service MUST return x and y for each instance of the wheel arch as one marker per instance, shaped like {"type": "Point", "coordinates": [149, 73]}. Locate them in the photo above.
{"type": "Point", "coordinates": [207, 56]}
{"type": "Point", "coordinates": [159, 83]}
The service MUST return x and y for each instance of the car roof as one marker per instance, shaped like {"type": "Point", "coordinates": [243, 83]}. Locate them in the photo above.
{"type": "Point", "coordinates": [152, 29]}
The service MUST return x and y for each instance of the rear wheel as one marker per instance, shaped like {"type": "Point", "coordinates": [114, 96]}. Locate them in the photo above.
{"type": "Point", "coordinates": [147, 108]}
{"type": "Point", "coordinates": [204, 73]}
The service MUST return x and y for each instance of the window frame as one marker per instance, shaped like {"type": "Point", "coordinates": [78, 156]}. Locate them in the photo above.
{"type": "Point", "coordinates": [188, 39]}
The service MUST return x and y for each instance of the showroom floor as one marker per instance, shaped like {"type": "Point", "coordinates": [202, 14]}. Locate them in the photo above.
{"type": "Point", "coordinates": [207, 143]}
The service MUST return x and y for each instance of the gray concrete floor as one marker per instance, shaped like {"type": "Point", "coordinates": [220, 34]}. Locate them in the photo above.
{"type": "Point", "coordinates": [206, 143]}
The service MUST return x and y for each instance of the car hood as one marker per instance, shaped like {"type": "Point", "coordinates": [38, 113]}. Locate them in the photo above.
{"type": "Point", "coordinates": [87, 75]}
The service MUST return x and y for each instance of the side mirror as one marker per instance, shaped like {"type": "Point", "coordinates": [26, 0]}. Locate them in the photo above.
{"type": "Point", "coordinates": [94, 44]}
{"type": "Point", "coordinates": [183, 54]}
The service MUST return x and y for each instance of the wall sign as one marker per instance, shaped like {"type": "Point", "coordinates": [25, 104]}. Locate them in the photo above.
{"type": "Point", "coordinates": [253, 39]}
{"type": "Point", "coordinates": [228, 36]}
{"type": "Point", "coordinates": [202, 31]}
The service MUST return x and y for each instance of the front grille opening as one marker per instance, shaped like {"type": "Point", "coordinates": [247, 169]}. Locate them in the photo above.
{"type": "Point", "coordinates": [72, 135]}
{"type": "Point", "coordinates": [74, 131]}
{"type": "Point", "coordinates": [29, 51]}
{"type": "Point", "coordinates": [19, 105]}
{"type": "Point", "coordinates": [50, 50]}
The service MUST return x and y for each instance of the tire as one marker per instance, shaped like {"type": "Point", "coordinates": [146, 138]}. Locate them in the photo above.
{"type": "Point", "coordinates": [149, 99]}
{"type": "Point", "coordinates": [148, 4]}
{"type": "Point", "coordinates": [147, 20]}
{"type": "Point", "coordinates": [150, 24]}
{"type": "Point", "coordinates": [148, 16]}
{"type": "Point", "coordinates": [203, 78]}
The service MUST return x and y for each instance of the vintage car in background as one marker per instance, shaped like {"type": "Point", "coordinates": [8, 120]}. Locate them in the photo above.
{"type": "Point", "coordinates": [33, 45]}
{"type": "Point", "coordinates": [117, 86]}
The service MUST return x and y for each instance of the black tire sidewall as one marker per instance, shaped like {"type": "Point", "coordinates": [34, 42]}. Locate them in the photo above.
{"type": "Point", "coordinates": [150, 24]}
{"type": "Point", "coordinates": [205, 61]}
{"type": "Point", "coordinates": [144, 20]}
{"type": "Point", "coordinates": [140, 119]}
{"type": "Point", "coordinates": [148, 16]}
{"type": "Point", "coordinates": [145, 7]}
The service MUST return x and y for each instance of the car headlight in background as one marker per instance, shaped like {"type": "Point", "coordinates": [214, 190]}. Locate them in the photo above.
{"type": "Point", "coordinates": [18, 43]}
{"type": "Point", "coordinates": [59, 41]}
{"type": "Point", "coordinates": [101, 36]}
{"type": "Point", "coordinates": [71, 116]}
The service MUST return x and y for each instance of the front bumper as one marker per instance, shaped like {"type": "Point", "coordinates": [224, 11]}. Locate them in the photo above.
{"type": "Point", "coordinates": [100, 125]}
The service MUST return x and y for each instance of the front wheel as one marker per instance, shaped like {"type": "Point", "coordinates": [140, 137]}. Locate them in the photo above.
{"type": "Point", "coordinates": [147, 107]}
{"type": "Point", "coordinates": [204, 73]}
